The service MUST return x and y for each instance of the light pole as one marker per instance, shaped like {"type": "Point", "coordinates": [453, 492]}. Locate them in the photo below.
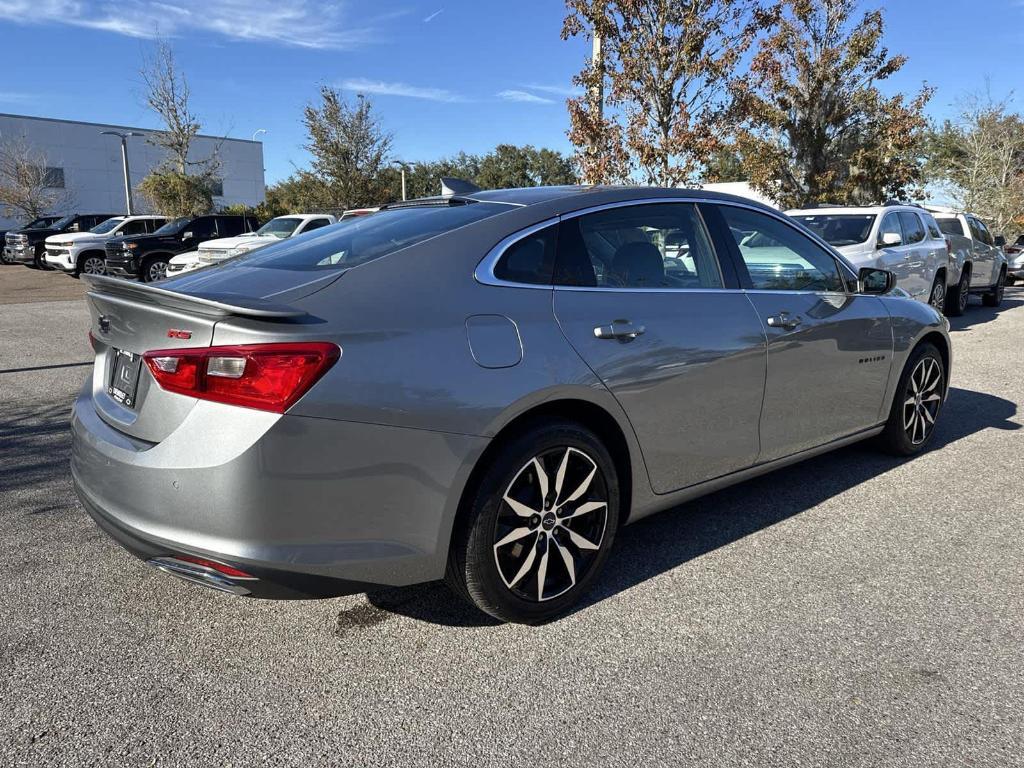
{"type": "Point", "coordinates": [258, 132]}
{"type": "Point", "coordinates": [401, 167]}
{"type": "Point", "coordinates": [124, 158]}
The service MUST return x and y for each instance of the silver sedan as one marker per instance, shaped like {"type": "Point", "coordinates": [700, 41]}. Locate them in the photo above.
{"type": "Point", "coordinates": [483, 388]}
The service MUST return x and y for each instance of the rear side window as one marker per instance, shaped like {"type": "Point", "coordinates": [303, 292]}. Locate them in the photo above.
{"type": "Point", "coordinates": [659, 246]}
{"type": "Point", "coordinates": [365, 238]}
{"type": "Point", "coordinates": [530, 260]}
{"type": "Point", "coordinates": [777, 256]}
{"type": "Point", "coordinates": [913, 230]}
{"type": "Point", "coordinates": [951, 226]}
{"type": "Point", "coordinates": [230, 226]}
{"type": "Point", "coordinates": [138, 227]}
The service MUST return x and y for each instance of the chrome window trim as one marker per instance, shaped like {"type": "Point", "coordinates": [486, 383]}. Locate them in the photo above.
{"type": "Point", "coordinates": [484, 272]}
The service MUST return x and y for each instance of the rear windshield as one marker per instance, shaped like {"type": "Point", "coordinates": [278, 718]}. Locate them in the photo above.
{"type": "Point", "coordinates": [364, 238]}
{"type": "Point", "coordinates": [950, 226]}
{"type": "Point", "coordinates": [839, 229]}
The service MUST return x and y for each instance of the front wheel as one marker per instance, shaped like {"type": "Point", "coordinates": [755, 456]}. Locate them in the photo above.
{"type": "Point", "coordinates": [916, 406]}
{"type": "Point", "coordinates": [956, 300]}
{"type": "Point", "coordinates": [90, 264]}
{"type": "Point", "coordinates": [994, 297]}
{"type": "Point", "coordinates": [154, 269]}
{"type": "Point", "coordinates": [538, 526]}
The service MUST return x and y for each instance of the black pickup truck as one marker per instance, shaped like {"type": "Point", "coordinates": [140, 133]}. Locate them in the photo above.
{"type": "Point", "coordinates": [28, 246]}
{"type": "Point", "coordinates": [146, 256]}
{"type": "Point", "coordinates": [42, 221]}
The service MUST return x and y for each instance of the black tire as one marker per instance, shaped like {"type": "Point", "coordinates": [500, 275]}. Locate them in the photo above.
{"type": "Point", "coordinates": [937, 296]}
{"type": "Point", "coordinates": [506, 581]}
{"type": "Point", "coordinates": [1011, 280]}
{"type": "Point", "coordinates": [956, 300]}
{"type": "Point", "coordinates": [906, 434]}
{"type": "Point", "coordinates": [87, 264]}
{"type": "Point", "coordinates": [994, 297]}
{"type": "Point", "coordinates": [147, 272]}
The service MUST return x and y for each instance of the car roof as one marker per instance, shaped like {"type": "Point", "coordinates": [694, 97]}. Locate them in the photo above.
{"type": "Point", "coordinates": [848, 210]}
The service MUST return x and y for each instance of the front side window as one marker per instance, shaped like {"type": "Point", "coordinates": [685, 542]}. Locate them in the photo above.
{"type": "Point", "coordinates": [316, 224]}
{"type": "Point", "coordinates": [913, 229]}
{"type": "Point", "coordinates": [365, 238]}
{"type": "Point", "coordinates": [282, 226]}
{"type": "Point", "coordinates": [530, 260]}
{"type": "Point", "coordinates": [654, 246]}
{"type": "Point", "coordinates": [777, 256]}
{"type": "Point", "coordinates": [890, 226]}
{"type": "Point", "coordinates": [986, 236]}
{"type": "Point", "coordinates": [839, 229]}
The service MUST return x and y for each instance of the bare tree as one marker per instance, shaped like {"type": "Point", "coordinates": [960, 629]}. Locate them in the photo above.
{"type": "Point", "coordinates": [26, 185]}
{"type": "Point", "coordinates": [978, 159]}
{"type": "Point", "coordinates": [182, 185]}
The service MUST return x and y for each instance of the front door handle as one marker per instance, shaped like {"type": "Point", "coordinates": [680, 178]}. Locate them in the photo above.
{"type": "Point", "coordinates": [785, 320]}
{"type": "Point", "coordinates": [620, 330]}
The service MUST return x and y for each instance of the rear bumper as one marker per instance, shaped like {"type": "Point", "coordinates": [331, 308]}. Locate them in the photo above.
{"type": "Point", "coordinates": [310, 506]}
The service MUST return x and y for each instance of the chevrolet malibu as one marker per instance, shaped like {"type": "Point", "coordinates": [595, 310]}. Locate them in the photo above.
{"type": "Point", "coordinates": [483, 388]}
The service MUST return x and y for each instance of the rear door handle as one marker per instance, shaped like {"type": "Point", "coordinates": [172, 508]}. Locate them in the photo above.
{"type": "Point", "coordinates": [620, 330]}
{"type": "Point", "coordinates": [785, 320]}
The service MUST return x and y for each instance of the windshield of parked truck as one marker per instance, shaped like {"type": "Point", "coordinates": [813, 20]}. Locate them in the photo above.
{"type": "Point", "coordinates": [61, 223]}
{"type": "Point", "coordinates": [41, 223]}
{"type": "Point", "coordinates": [950, 226]}
{"type": "Point", "coordinates": [282, 226]}
{"type": "Point", "coordinates": [366, 238]}
{"type": "Point", "coordinates": [174, 226]}
{"type": "Point", "coordinates": [839, 229]}
{"type": "Point", "coordinates": [106, 226]}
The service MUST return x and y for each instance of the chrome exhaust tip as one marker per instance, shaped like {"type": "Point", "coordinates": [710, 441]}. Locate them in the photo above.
{"type": "Point", "coordinates": [201, 574]}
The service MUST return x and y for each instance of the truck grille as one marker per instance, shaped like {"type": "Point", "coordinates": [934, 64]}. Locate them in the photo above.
{"type": "Point", "coordinates": [113, 251]}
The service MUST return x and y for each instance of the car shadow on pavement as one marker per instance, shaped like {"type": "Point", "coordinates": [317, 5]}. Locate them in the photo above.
{"type": "Point", "coordinates": [34, 444]}
{"type": "Point", "coordinates": [667, 540]}
{"type": "Point", "coordinates": [977, 313]}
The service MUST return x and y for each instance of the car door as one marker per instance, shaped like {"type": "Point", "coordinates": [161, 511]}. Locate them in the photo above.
{"type": "Point", "coordinates": [829, 350]}
{"type": "Point", "coordinates": [920, 266]}
{"type": "Point", "coordinates": [984, 255]}
{"type": "Point", "coordinates": [641, 296]}
{"type": "Point", "coordinates": [894, 258]}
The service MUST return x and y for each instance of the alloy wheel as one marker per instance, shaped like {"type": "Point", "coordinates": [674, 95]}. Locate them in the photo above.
{"type": "Point", "coordinates": [156, 271]}
{"type": "Point", "coordinates": [922, 399]}
{"type": "Point", "coordinates": [550, 524]}
{"type": "Point", "coordinates": [965, 291]}
{"type": "Point", "coordinates": [94, 266]}
{"type": "Point", "coordinates": [938, 297]}
{"type": "Point", "coordinates": [1000, 287]}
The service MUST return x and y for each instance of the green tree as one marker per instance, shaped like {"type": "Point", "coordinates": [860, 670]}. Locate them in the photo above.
{"type": "Point", "coordinates": [725, 164]}
{"type": "Point", "coordinates": [657, 100]}
{"type": "Point", "coordinates": [978, 158]}
{"type": "Point", "coordinates": [509, 166]}
{"type": "Point", "coordinates": [181, 185]}
{"type": "Point", "coordinates": [817, 128]}
{"type": "Point", "coordinates": [350, 151]}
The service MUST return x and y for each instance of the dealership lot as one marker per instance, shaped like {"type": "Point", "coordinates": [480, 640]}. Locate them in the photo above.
{"type": "Point", "coordinates": [851, 610]}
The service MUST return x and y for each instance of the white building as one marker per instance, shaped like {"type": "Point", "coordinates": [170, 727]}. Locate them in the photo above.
{"type": "Point", "coordinates": [86, 165]}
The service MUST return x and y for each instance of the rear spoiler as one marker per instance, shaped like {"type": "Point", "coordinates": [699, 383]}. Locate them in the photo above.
{"type": "Point", "coordinates": [214, 304]}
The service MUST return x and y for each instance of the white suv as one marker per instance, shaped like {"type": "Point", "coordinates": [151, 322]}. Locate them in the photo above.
{"type": "Point", "coordinates": [82, 252]}
{"type": "Point", "coordinates": [903, 239]}
{"type": "Point", "coordinates": [276, 229]}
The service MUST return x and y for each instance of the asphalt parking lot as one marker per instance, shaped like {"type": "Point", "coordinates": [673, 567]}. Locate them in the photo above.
{"type": "Point", "coordinates": [855, 610]}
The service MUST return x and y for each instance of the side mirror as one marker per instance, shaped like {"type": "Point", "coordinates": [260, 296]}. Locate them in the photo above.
{"type": "Point", "coordinates": [890, 239]}
{"type": "Point", "coordinates": [875, 281]}
{"type": "Point", "coordinates": [1000, 241]}
{"type": "Point", "coordinates": [187, 235]}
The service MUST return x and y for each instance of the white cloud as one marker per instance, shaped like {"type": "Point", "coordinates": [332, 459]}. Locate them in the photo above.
{"type": "Point", "coordinates": [299, 23]}
{"type": "Point", "coordinates": [556, 90]}
{"type": "Point", "coordinates": [523, 97]}
{"type": "Point", "coordinates": [381, 88]}
{"type": "Point", "coordinates": [15, 97]}
{"type": "Point", "coordinates": [433, 16]}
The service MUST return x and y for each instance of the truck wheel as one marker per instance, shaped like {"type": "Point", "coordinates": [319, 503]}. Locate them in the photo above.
{"type": "Point", "coordinates": [90, 264]}
{"type": "Point", "coordinates": [154, 269]}
{"type": "Point", "coordinates": [937, 298]}
{"type": "Point", "coordinates": [956, 300]}
{"type": "Point", "coordinates": [994, 297]}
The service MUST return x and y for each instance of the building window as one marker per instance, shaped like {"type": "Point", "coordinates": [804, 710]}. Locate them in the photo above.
{"type": "Point", "coordinates": [53, 178]}
{"type": "Point", "coordinates": [217, 187]}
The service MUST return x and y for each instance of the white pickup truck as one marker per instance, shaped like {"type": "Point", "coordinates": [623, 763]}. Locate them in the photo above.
{"type": "Point", "coordinates": [213, 251]}
{"type": "Point", "coordinates": [976, 264]}
{"type": "Point", "coordinates": [82, 252]}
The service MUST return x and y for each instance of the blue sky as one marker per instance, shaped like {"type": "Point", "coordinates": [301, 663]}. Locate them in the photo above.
{"type": "Point", "coordinates": [445, 76]}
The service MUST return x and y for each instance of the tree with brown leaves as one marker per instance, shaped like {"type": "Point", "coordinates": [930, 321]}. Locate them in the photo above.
{"type": "Point", "coordinates": [657, 103]}
{"type": "Point", "coordinates": [27, 189]}
{"type": "Point", "coordinates": [817, 128]}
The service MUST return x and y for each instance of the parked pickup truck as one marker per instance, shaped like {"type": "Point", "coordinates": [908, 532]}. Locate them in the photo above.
{"type": "Point", "coordinates": [83, 252]}
{"type": "Point", "coordinates": [146, 256]}
{"type": "Point", "coordinates": [977, 264]}
{"type": "Point", "coordinates": [28, 246]}
{"type": "Point", "coordinates": [41, 223]}
{"type": "Point", "coordinates": [276, 229]}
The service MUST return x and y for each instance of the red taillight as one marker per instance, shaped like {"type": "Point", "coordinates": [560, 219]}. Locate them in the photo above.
{"type": "Point", "coordinates": [270, 377]}
{"type": "Point", "coordinates": [227, 570]}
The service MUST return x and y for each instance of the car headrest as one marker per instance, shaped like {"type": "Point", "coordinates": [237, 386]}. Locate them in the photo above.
{"type": "Point", "coordinates": [639, 265]}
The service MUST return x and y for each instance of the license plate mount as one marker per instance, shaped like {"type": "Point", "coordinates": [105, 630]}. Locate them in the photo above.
{"type": "Point", "coordinates": [124, 377]}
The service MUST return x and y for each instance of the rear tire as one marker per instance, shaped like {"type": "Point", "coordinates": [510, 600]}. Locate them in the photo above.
{"type": "Point", "coordinates": [994, 297]}
{"type": "Point", "coordinates": [536, 529]}
{"type": "Point", "coordinates": [916, 406]}
{"type": "Point", "coordinates": [956, 300]}
{"type": "Point", "coordinates": [937, 297]}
